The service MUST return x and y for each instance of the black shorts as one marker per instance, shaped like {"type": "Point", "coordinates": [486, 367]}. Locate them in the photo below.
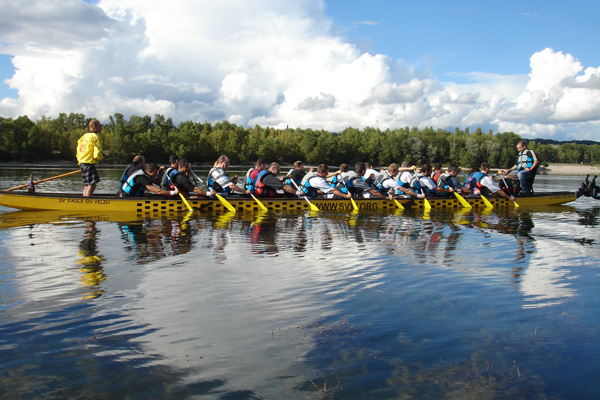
{"type": "Point", "coordinates": [89, 174]}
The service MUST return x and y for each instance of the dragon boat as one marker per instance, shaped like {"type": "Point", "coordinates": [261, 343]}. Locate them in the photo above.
{"type": "Point", "coordinates": [71, 202]}
{"type": "Point", "coordinates": [157, 205]}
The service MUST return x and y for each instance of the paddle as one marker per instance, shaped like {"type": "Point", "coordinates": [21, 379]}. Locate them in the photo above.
{"type": "Point", "coordinates": [425, 201]}
{"type": "Point", "coordinates": [260, 204]}
{"type": "Point", "coordinates": [197, 177]}
{"type": "Point", "coordinates": [189, 207]}
{"type": "Point", "coordinates": [225, 203]}
{"type": "Point", "coordinates": [45, 180]}
{"type": "Point", "coordinates": [354, 206]}
{"type": "Point", "coordinates": [462, 200]}
{"type": "Point", "coordinates": [312, 206]}
{"type": "Point", "coordinates": [486, 201]}
{"type": "Point", "coordinates": [399, 205]}
{"type": "Point", "coordinates": [506, 186]}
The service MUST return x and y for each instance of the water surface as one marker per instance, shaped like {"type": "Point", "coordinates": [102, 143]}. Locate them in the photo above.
{"type": "Point", "coordinates": [468, 304]}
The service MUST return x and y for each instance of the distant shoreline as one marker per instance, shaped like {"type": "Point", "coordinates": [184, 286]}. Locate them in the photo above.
{"type": "Point", "coordinates": [571, 169]}
{"type": "Point", "coordinates": [552, 169]}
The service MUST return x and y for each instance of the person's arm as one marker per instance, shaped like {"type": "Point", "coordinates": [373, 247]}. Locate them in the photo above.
{"type": "Point", "coordinates": [533, 166]}
{"type": "Point", "coordinates": [502, 193]}
{"type": "Point", "coordinates": [289, 189]}
{"type": "Point", "coordinates": [234, 188]}
{"type": "Point", "coordinates": [203, 192]}
{"type": "Point", "coordinates": [95, 141]}
{"type": "Point", "coordinates": [161, 192]}
{"type": "Point", "coordinates": [273, 182]}
{"type": "Point", "coordinates": [439, 189]}
{"type": "Point", "coordinates": [410, 192]}
{"type": "Point", "coordinates": [341, 194]}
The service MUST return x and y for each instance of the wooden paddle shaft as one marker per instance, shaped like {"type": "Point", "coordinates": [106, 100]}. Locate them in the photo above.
{"type": "Point", "coordinates": [45, 180]}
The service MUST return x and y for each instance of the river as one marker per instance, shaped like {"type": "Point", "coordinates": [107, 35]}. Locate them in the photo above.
{"type": "Point", "coordinates": [466, 304]}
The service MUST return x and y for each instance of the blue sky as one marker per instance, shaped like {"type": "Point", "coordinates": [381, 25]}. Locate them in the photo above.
{"type": "Point", "coordinates": [531, 67]}
{"type": "Point", "coordinates": [466, 36]}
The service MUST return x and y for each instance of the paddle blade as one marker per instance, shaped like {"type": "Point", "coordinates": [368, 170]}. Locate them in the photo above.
{"type": "Point", "coordinates": [260, 204]}
{"type": "Point", "coordinates": [516, 205]}
{"type": "Point", "coordinates": [398, 204]}
{"type": "Point", "coordinates": [312, 206]}
{"type": "Point", "coordinates": [462, 200]}
{"type": "Point", "coordinates": [426, 204]}
{"type": "Point", "coordinates": [486, 202]}
{"type": "Point", "coordinates": [225, 203]}
{"type": "Point", "coordinates": [186, 202]}
{"type": "Point", "coordinates": [354, 205]}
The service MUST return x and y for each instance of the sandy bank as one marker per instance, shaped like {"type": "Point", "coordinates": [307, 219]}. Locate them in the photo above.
{"type": "Point", "coordinates": [571, 169]}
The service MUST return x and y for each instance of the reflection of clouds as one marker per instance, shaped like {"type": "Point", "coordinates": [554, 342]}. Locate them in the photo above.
{"type": "Point", "coordinates": [545, 282]}
{"type": "Point", "coordinates": [243, 318]}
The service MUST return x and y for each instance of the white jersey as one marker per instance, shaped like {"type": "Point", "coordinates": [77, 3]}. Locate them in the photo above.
{"type": "Point", "coordinates": [370, 172]}
{"type": "Point", "coordinates": [489, 183]}
{"type": "Point", "coordinates": [405, 177]}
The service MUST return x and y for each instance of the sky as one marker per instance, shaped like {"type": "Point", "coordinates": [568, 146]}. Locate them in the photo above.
{"type": "Point", "coordinates": [530, 67]}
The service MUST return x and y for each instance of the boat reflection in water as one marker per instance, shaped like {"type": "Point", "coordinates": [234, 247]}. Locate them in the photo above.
{"type": "Point", "coordinates": [300, 304]}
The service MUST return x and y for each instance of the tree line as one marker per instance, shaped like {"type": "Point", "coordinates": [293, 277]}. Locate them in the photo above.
{"type": "Point", "coordinates": [22, 139]}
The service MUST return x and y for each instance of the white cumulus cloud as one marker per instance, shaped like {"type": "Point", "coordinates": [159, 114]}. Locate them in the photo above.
{"type": "Point", "coordinates": [267, 62]}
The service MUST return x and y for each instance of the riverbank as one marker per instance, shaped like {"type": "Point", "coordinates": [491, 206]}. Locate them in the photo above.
{"type": "Point", "coordinates": [571, 169]}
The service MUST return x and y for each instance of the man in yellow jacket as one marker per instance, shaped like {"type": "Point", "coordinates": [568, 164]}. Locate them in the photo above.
{"type": "Point", "coordinates": [89, 153]}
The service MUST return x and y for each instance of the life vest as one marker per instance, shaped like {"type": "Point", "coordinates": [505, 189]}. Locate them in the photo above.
{"type": "Point", "coordinates": [183, 190]}
{"type": "Point", "coordinates": [308, 190]}
{"type": "Point", "coordinates": [307, 177]}
{"type": "Point", "coordinates": [415, 182]}
{"type": "Point", "coordinates": [524, 158]}
{"type": "Point", "coordinates": [260, 189]}
{"type": "Point", "coordinates": [345, 182]}
{"type": "Point", "coordinates": [379, 180]}
{"type": "Point", "coordinates": [126, 174]}
{"type": "Point", "coordinates": [132, 189]}
{"type": "Point", "coordinates": [474, 180]}
{"type": "Point", "coordinates": [212, 183]}
{"type": "Point", "coordinates": [251, 183]}
{"type": "Point", "coordinates": [443, 180]}
{"type": "Point", "coordinates": [124, 179]}
{"type": "Point", "coordinates": [165, 184]}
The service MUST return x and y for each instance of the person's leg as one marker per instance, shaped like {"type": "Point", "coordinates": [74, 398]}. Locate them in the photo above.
{"type": "Point", "coordinates": [89, 190]}
{"type": "Point", "coordinates": [90, 179]}
{"type": "Point", "coordinates": [524, 179]}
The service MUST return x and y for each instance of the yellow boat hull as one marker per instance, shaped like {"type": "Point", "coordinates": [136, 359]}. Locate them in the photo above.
{"type": "Point", "coordinates": [159, 205]}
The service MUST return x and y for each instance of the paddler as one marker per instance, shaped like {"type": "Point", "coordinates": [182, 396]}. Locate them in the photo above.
{"type": "Point", "coordinates": [143, 179]}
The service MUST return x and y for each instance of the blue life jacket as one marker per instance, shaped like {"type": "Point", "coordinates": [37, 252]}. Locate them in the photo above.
{"type": "Point", "coordinates": [345, 183]}
{"type": "Point", "coordinates": [379, 180]}
{"type": "Point", "coordinates": [308, 190]}
{"type": "Point", "coordinates": [132, 189]}
{"type": "Point", "coordinates": [528, 160]}
{"type": "Point", "coordinates": [165, 184]}
{"type": "Point", "coordinates": [418, 186]}
{"type": "Point", "coordinates": [183, 190]}
{"type": "Point", "coordinates": [251, 183]}
{"type": "Point", "coordinates": [474, 180]}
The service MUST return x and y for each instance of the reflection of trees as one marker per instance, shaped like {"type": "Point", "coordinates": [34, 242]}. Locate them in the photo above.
{"type": "Point", "coordinates": [91, 261]}
{"type": "Point", "coordinates": [588, 218]}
